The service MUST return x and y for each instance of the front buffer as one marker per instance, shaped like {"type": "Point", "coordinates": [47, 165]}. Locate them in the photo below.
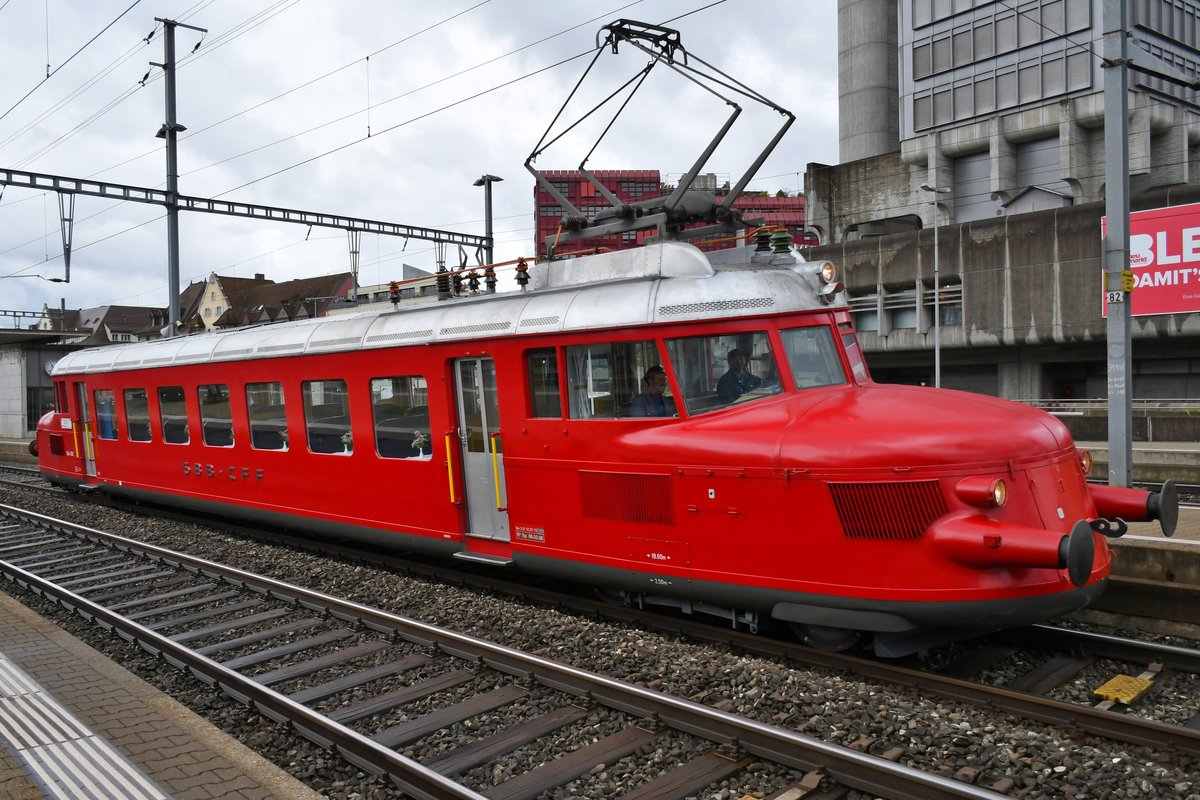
{"type": "Point", "coordinates": [974, 540]}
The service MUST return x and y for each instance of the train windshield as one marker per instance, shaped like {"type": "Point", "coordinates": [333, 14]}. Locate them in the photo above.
{"type": "Point", "coordinates": [718, 371]}
{"type": "Point", "coordinates": [813, 357]}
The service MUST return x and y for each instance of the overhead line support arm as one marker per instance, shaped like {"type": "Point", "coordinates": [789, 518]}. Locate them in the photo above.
{"type": "Point", "coordinates": [141, 194]}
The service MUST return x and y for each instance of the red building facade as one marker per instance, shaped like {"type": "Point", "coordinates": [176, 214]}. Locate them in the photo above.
{"type": "Point", "coordinates": [633, 185]}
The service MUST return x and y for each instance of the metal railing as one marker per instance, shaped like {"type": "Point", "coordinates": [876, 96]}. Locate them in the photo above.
{"type": "Point", "coordinates": [1099, 405]}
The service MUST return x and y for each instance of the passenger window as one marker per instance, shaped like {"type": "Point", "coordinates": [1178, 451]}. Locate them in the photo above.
{"type": "Point", "coordinates": [327, 416]}
{"type": "Point", "coordinates": [717, 371]}
{"type": "Point", "coordinates": [106, 413]}
{"type": "Point", "coordinates": [268, 422]}
{"type": "Point", "coordinates": [603, 378]}
{"type": "Point", "coordinates": [172, 413]}
{"type": "Point", "coordinates": [400, 413]}
{"type": "Point", "coordinates": [137, 415]}
{"type": "Point", "coordinates": [216, 418]}
{"type": "Point", "coordinates": [813, 357]}
{"type": "Point", "coordinates": [60, 397]}
{"type": "Point", "coordinates": [543, 383]}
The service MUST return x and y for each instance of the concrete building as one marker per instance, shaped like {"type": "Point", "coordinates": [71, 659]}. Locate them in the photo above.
{"type": "Point", "coordinates": [984, 121]}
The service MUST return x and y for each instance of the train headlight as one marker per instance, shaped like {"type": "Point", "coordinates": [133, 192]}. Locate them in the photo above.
{"type": "Point", "coordinates": [982, 492]}
{"type": "Point", "coordinates": [828, 272]}
{"type": "Point", "coordinates": [1085, 461]}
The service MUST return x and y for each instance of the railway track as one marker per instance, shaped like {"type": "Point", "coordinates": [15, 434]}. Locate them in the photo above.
{"type": "Point", "coordinates": [18, 475]}
{"type": "Point", "coordinates": [368, 683]}
{"type": "Point", "coordinates": [962, 675]}
{"type": "Point", "coordinates": [955, 678]}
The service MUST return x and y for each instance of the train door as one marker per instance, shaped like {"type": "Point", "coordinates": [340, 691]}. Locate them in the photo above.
{"type": "Point", "coordinates": [83, 429]}
{"type": "Point", "coordinates": [482, 459]}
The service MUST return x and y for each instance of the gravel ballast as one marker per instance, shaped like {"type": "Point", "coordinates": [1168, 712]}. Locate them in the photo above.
{"type": "Point", "coordinates": [937, 735]}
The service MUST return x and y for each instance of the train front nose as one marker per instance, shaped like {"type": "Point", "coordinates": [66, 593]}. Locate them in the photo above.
{"type": "Point", "coordinates": [991, 486]}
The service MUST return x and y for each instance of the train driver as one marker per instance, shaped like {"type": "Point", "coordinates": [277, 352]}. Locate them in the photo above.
{"type": "Point", "coordinates": [651, 403]}
{"type": "Point", "coordinates": [738, 380]}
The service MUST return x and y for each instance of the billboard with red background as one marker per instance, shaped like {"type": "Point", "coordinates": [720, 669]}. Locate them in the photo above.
{"type": "Point", "coordinates": [1164, 256]}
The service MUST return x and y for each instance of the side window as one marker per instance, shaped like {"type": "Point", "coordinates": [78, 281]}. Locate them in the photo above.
{"type": "Point", "coordinates": [858, 364]}
{"type": "Point", "coordinates": [216, 418]}
{"type": "Point", "coordinates": [604, 378]}
{"type": "Point", "coordinates": [327, 416]}
{"type": "Point", "coordinates": [172, 413]}
{"type": "Point", "coordinates": [106, 413]}
{"type": "Point", "coordinates": [813, 356]}
{"type": "Point", "coordinates": [544, 400]}
{"type": "Point", "coordinates": [400, 414]}
{"type": "Point", "coordinates": [717, 371]}
{"type": "Point", "coordinates": [61, 405]}
{"type": "Point", "coordinates": [137, 415]}
{"type": "Point", "coordinates": [268, 422]}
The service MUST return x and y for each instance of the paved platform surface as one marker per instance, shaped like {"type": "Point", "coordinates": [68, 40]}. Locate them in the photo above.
{"type": "Point", "coordinates": [103, 733]}
{"type": "Point", "coordinates": [1188, 528]}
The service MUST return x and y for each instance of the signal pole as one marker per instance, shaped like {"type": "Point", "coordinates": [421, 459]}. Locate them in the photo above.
{"type": "Point", "coordinates": [1120, 57]}
{"type": "Point", "coordinates": [169, 131]}
{"type": "Point", "coordinates": [1116, 242]}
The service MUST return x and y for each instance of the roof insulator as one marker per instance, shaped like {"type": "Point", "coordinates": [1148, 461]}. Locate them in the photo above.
{"type": "Point", "coordinates": [781, 241]}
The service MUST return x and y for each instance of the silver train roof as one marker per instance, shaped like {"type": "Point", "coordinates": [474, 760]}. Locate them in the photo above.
{"type": "Point", "coordinates": [667, 282]}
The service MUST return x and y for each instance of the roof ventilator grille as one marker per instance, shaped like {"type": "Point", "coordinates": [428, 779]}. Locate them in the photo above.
{"type": "Point", "coordinates": [274, 348]}
{"type": "Point", "coordinates": [393, 337]}
{"type": "Point", "coordinates": [717, 305]}
{"type": "Point", "coordinates": [335, 342]}
{"type": "Point", "coordinates": [891, 510]}
{"type": "Point", "coordinates": [478, 328]}
{"type": "Point", "coordinates": [539, 321]}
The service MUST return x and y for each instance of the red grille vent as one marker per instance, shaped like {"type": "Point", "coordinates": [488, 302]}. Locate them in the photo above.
{"type": "Point", "coordinates": [893, 510]}
{"type": "Point", "coordinates": [626, 497]}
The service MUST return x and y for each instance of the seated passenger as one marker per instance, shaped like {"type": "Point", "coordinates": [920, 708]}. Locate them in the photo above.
{"type": "Point", "coordinates": [738, 380]}
{"type": "Point", "coordinates": [651, 403]}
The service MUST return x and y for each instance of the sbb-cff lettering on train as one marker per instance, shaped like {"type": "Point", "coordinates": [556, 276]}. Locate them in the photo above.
{"type": "Point", "coordinates": [232, 473]}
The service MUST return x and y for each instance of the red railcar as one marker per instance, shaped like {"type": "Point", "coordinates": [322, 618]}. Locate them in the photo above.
{"type": "Point", "coordinates": [504, 428]}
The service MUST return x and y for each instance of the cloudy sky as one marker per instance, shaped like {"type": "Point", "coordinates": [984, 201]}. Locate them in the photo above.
{"type": "Point", "coordinates": [280, 96]}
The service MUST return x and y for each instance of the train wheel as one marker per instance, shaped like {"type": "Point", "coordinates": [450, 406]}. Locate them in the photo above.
{"type": "Point", "coordinates": [614, 597]}
{"type": "Point", "coordinates": [820, 637]}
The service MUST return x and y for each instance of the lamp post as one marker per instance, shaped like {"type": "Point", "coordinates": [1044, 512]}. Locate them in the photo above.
{"type": "Point", "coordinates": [937, 291]}
{"type": "Point", "coordinates": [486, 182]}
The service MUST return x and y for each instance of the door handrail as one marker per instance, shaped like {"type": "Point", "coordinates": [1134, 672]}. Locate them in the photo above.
{"type": "Point", "coordinates": [496, 471]}
{"type": "Point", "coordinates": [450, 468]}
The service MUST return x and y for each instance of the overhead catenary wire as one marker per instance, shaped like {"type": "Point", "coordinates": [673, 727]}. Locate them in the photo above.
{"type": "Point", "coordinates": [115, 102]}
{"type": "Point", "coordinates": [49, 74]}
{"type": "Point", "coordinates": [237, 31]}
{"type": "Point", "coordinates": [381, 103]}
{"type": "Point", "coordinates": [398, 125]}
{"type": "Point", "coordinates": [982, 139]}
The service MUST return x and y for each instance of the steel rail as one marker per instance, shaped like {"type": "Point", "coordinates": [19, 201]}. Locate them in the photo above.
{"type": "Point", "coordinates": [858, 770]}
{"type": "Point", "coordinates": [1184, 659]}
{"type": "Point", "coordinates": [409, 775]}
{"type": "Point", "coordinates": [1107, 724]}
